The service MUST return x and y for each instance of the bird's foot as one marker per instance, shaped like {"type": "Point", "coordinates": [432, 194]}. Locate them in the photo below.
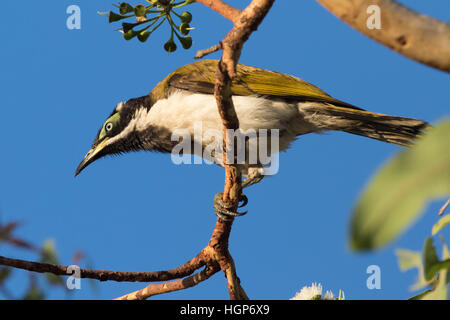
{"type": "Point", "coordinates": [254, 177]}
{"type": "Point", "coordinates": [223, 210]}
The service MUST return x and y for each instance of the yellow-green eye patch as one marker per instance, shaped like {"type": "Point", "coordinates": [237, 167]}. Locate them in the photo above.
{"type": "Point", "coordinates": [109, 125]}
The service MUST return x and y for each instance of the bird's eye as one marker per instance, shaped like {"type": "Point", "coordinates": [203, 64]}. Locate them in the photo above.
{"type": "Point", "coordinates": [108, 126]}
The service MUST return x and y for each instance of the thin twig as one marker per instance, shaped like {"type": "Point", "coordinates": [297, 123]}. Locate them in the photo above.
{"type": "Point", "coordinates": [105, 275]}
{"type": "Point", "coordinates": [204, 52]}
{"type": "Point", "coordinates": [176, 285]}
{"type": "Point", "coordinates": [444, 207]}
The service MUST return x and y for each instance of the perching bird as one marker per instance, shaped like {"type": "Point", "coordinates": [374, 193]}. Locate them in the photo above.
{"type": "Point", "coordinates": [263, 100]}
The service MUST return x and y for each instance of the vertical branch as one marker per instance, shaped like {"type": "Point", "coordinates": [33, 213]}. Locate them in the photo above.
{"type": "Point", "coordinates": [232, 44]}
{"type": "Point", "coordinates": [230, 121]}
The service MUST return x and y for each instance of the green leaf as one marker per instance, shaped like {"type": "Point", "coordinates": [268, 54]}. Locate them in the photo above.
{"type": "Point", "coordinates": [421, 296]}
{"type": "Point", "coordinates": [48, 252]}
{"type": "Point", "coordinates": [446, 256]}
{"type": "Point", "coordinates": [113, 17]}
{"type": "Point", "coordinates": [399, 191]}
{"type": "Point", "coordinates": [445, 220]}
{"type": "Point", "coordinates": [49, 255]}
{"type": "Point", "coordinates": [4, 274]}
{"type": "Point", "coordinates": [440, 291]}
{"type": "Point", "coordinates": [431, 261]}
{"type": "Point", "coordinates": [407, 260]}
{"type": "Point", "coordinates": [125, 8]}
{"type": "Point", "coordinates": [34, 293]}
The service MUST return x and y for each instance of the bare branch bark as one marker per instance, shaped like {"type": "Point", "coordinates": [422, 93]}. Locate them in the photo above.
{"type": "Point", "coordinates": [444, 207]}
{"type": "Point", "coordinates": [181, 284]}
{"type": "Point", "coordinates": [232, 44]}
{"type": "Point", "coordinates": [105, 275]}
{"type": "Point", "coordinates": [414, 35]}
{"type": "Point", "coordinates": [222, 8]}
{"type": "Point", "coordinates": [247, 23]}
{"type": "Point", "coordinates": [204, 52]}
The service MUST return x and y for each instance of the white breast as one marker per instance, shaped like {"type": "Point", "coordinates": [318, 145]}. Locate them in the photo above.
{"type": "Point", "coordinates": [183, 110]}
{"type": "Point", "coordinates": [186, 111]}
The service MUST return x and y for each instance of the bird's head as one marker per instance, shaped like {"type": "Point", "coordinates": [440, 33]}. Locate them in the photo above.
{"type": "Point", "coordinates": [118, 134]}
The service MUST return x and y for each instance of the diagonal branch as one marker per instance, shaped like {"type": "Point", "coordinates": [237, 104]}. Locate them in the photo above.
{"type": "Point", "coordinates": [222, 8]}
{"type": "Point", "coordinates": [204, 52]}
{"type": "Point", "coordinates": [176, 285]}
{"type": "Point", "coordinates": [414, 35]}
{"type": "Point", "coordinates": [105, 275]}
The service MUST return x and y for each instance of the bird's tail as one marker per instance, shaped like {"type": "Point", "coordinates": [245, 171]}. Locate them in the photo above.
{"type": "Point", "coordinates": [396, 130]}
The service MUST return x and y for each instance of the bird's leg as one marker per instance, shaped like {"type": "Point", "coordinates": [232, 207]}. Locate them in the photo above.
{"type": "Point", "coordinates": [253, 179]}
{"type": "Point", "coordinates": [223, 210]}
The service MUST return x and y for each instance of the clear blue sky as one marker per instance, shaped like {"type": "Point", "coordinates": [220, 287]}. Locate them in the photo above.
{"type": "Point", "coordinates": [140, 212]}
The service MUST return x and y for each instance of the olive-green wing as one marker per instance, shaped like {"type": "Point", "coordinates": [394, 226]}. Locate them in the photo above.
{"type": "Point", "coordinates": [200, 77]}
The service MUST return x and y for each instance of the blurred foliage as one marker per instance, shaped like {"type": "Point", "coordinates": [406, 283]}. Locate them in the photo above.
{"type": "Point", "coordinates": [154, 15]}
{"type": "Point", "coordinates": [433, 271]}
{"type": "Point", "coordinates": [396, 196]}
{"type": "Point", "coordinates": [445, 220]}
{"type": "Point", "coordinates": [399, 191]}
{"type": "Point", "coordinates": [36, 289]}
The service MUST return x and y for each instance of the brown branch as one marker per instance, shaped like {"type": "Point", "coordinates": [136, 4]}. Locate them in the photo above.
{"type": "Point", "coordinates": [414, 35]}
{"type": "Point", "coordinates": [204, 52]}
{"type": "Point", "coordinates": [222, 8]}
{"type": "Point", "coordinates": [444, 207]}
{"type": "Point", "coordinates": [181, 284]}
{"type": "Point", "coordinates": [232, 44]}
{"type": "Point", "coordinates": [105, 275]}
{"type": "Point", "coordinates": [247, 23]}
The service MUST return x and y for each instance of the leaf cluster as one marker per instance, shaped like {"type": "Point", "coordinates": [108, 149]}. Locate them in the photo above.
{"type": "Point", "coordinates": [152, 16]}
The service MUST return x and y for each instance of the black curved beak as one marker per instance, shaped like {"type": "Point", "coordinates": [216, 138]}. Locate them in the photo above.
{"type": "Point", "coordinates": [91, 156]}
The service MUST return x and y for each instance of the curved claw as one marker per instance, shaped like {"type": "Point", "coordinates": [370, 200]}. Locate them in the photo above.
{"type": "Point", "coordinates": [222, 209]}
{"type": "Point", "coordinates": [244, 200]}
